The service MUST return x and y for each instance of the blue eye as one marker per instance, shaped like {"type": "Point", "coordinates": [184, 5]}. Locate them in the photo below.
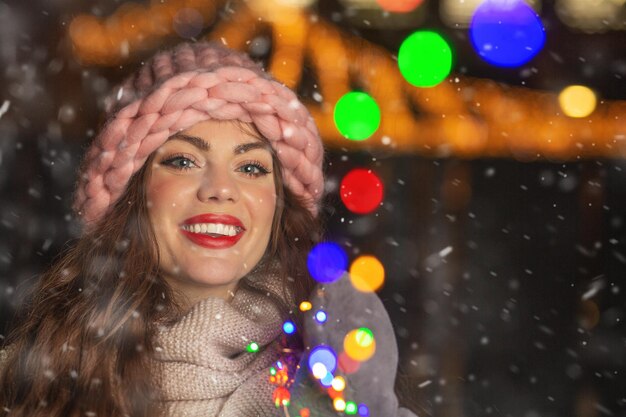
{"type": "Point", "coordinates": [251, 169]}
{"type": "Point", "coordinates": [254, 169]}
{"type": "Point", "coordinates": [179, 162]}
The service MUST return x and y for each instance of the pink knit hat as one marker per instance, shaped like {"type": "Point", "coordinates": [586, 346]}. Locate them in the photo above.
{"type": "Point", "coordinates": [180, 87]}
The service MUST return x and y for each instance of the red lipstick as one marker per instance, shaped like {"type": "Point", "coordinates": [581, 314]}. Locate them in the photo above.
{"type": "Point", "coordinates": [221, 242]}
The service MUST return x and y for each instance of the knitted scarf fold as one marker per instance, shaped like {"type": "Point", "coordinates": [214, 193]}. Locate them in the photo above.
{"type": "Point", "coordinates": [203, 366]}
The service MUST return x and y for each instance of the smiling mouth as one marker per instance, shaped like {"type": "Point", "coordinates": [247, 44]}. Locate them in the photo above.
{"type": "Point", "coordinates": [214, 230]}
{"type": "Point", "coordinates": [212, 235]}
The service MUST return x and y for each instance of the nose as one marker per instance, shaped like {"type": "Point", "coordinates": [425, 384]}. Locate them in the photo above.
{"type": "Point", "coordinates": [218, 185]}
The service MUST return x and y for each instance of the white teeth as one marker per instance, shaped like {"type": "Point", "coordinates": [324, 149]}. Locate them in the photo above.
{"type": "Point", "coordinates": [214, 228]}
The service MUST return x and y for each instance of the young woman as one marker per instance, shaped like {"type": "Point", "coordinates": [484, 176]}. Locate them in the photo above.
{"type": "Point", "coordinates": [200, 201]}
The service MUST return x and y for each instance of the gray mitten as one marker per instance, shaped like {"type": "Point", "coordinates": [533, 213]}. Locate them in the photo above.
{"type": "Point", "coordinates": [368, 384]}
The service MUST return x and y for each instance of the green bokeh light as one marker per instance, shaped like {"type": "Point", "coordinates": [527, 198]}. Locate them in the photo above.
{"type": "Point", "coordinates": [425, 59]}
{"type": "Point", "coordinates": [351, 408]}
{"type": "Point", "coordinates": [357, 115]}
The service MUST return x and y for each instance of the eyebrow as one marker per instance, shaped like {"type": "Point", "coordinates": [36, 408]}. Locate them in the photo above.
{"type": "Point", "coordinates": [204, 146]}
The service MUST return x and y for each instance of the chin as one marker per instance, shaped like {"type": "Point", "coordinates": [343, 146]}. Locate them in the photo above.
{"type": "Point", "coordinates": [213, 273]}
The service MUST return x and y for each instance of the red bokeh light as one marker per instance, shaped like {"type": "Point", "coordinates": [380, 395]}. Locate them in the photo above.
{"type": "Point", "coordinates": [361, 191]}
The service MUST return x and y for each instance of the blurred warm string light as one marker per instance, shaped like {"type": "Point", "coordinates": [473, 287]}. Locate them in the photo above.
{"type": "Point", "coordinates": [577, 101]}
{"type": "Point", "coordinates": [134, 26]}
{"type": "Point", "coordinates": [278, 10]}
{"type": "Point", "coordinates": [593, 15]}
{"type": "Point", "coordinates": [458, 13]}
{"type": "Point", "coordinates": [460, 116]}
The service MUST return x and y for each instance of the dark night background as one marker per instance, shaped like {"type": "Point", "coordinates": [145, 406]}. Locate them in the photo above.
{"type": "Point", "coordinates": [504, 279]}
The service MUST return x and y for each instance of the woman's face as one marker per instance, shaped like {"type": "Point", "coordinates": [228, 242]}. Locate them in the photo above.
{"type": "Point", "coordinates": [211, 198]}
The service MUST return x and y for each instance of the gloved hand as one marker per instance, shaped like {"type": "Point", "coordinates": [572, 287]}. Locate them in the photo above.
{"type": "Point", "coordinates": [372, 383]}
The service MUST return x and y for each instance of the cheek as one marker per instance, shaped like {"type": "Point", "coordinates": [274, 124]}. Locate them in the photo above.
{"type": "Point", "coordinates": [262, 203]}
{"type": "Point", "coordinates": [165, 194]}
{"type": "Point", "coordinates": [269, 206]}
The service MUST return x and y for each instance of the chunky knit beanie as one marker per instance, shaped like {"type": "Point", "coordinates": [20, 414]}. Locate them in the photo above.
{"type": "Point", "coordinates": [180, 87]}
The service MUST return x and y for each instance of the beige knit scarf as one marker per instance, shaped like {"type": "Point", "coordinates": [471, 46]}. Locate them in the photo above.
{"type": "Point", "coordinates": [202, 365]}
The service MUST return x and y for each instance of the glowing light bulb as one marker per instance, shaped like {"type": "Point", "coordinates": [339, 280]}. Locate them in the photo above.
{"type": "Point", "coordinates": [319, 370]}
{"type": "Point", "coordinates": [281, 396]}
{"type": "Point", "coordinates": [351, 408]}
{"type": "Point", "coordinates": [339, 383]}
{"type": "Point", "coordinates": [321, 316]}
{"type": "Point", "coordinates": [289, 327]}
{"type": "Point", "coordinates": [339, 404]}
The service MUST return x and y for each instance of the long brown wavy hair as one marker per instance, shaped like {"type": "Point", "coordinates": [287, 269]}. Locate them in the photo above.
{"type": "Point", "coordinates": [84, 339]}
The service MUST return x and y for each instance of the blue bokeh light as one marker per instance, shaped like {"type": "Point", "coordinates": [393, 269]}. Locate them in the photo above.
{"type": "Point", "coordinates": [327, 381]}
{"type": "Point", "coordinates": [327, 262]}
{"type": "Point", "coordinates": [506, 33]}
{"type": "Point", "coordinates": [364, 410]}
{"type": "Point", "coordinates": [321, 316]}
{"type": "Point", "coordinates": [289, 327]}
{"type": "Point", "coordinates": [324, 355]}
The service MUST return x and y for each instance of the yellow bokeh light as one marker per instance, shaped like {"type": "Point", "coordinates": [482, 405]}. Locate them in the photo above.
{"type": "Point", "coordinates": [577, 101]}
{"type": "Point", "coordinates": [339, 404]}
{"type": "Point", "coordinates": [305, 306]}
{"type": "Point", "coordinates": [359, 344]}
{"type": "Point", "coordinates": [339, 383]}
{"type": "Point", "coordinates": [367, 274]}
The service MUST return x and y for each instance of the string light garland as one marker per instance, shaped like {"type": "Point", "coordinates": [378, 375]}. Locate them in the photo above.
{"type": "Point", "coordinates": [326, 367]}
